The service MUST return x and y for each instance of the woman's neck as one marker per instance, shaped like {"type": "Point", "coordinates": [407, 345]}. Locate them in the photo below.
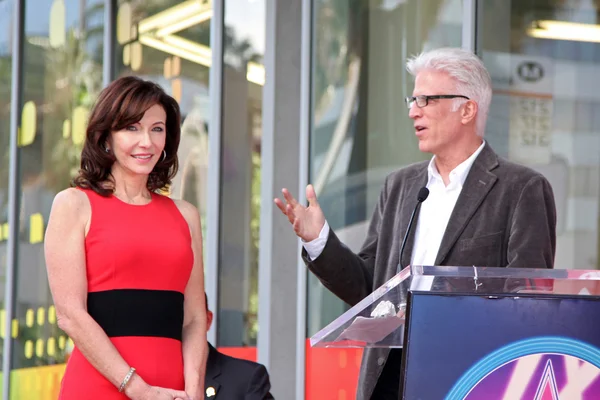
{"type": "Point", "coordinates": [131, 189]}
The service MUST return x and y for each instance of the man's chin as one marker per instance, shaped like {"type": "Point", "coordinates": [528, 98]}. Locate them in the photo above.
{"type": "Point", "coordinates": [424, 147]}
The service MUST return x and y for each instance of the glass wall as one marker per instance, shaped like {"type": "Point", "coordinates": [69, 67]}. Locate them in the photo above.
{"type": "Point", "coordinates": [545, 110]}
{"type": "Point", "coordinates": [360, 129]}
{"type": "Point", "coordinates": [243, 79]}
{"type": "Point", "coordinates": [62, 77]}
{"type": "Point", "coordinates": [168, 42]}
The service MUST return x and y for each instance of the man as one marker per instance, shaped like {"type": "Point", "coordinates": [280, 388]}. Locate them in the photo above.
{"type": "Point", "coordinates": [229, 378]}
{"type": "Point", "coordinates": [481, 210]}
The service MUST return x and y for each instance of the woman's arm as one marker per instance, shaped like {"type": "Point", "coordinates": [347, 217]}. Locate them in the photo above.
{"type": "Point", "coordinates": [65, 261]}
{"type": "Point", "coordinates": [195, 349]}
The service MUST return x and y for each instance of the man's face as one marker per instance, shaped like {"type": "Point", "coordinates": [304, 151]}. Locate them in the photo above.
{"type": "Point", "coordinates": [436, 125]}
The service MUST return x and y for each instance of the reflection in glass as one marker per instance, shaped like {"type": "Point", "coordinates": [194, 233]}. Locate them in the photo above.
{"type": "Point", "coordinates": [243, 76]}
{"type": "Point", "coordinates": [360, 126]}
{"type": "Point", "coordinates": [545, 109]}
{"type": "Point", "coordinates": [361, 130]}
{"type": "Point", "coordinates": [62, 77]}
{"type": "Point", "coordinates": [167, 42]}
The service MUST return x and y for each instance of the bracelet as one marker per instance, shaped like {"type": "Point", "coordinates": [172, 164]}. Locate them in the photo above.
{"type": "Point", "coordinates": [126, 380]}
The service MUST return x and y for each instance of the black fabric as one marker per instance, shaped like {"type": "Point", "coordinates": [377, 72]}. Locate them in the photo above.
{"type": "Point", "coordinates": [388, 384]}
{"type": "Point", "coordinates": [136, 312]}
{"type": "Point", "coordinates": [229, 378]}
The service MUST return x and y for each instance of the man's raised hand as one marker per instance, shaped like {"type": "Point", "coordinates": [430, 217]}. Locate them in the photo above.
{"type": "Point", "coordinates": [306, 221]}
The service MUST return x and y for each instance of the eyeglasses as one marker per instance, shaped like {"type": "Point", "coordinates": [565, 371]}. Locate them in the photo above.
{"type": "Point", "coordinates": [422, 101]}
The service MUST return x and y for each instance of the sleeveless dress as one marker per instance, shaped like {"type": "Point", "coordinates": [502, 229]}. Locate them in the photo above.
{"type": "Point", "coordinates": [138, 259]}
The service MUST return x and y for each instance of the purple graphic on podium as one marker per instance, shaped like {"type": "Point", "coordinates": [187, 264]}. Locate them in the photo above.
{"type": "Point", "coordinates": [567, 370]}
{"type": "Point", "coordinates": [502, 347]}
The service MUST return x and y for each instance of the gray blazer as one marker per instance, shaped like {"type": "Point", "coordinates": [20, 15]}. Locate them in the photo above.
{"type": "Point", "coordinates": [505, 216]}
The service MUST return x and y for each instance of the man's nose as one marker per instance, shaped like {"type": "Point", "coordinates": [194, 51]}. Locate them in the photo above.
{"type": "Point", "coordinates": [414, 111]}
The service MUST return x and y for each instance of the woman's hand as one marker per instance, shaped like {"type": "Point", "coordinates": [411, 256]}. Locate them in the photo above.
{"type": "Point", "coordinates": [159, 393]}
{"type": "Point", "coordinates": [196, 396]}
{"type": "Point", "coordinates": [137, 389]}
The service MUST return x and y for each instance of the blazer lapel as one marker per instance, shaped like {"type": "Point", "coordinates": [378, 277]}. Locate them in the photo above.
{"type": "Point", "coordinates": [213, 370]}
{"type": "Point", "coordinates": [406, 209]}
{"type": "Point", "coordinates": [476, 187]}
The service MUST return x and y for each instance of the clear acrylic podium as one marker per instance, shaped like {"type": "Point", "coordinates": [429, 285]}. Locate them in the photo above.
{"type": "Point", "coordinates": [379, 319]}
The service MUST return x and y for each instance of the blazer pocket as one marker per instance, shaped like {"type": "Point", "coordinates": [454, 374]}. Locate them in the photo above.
{"type": "Point", "coordinates": [493, 240]}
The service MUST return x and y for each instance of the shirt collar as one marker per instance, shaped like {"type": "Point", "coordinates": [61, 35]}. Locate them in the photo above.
{"type": "Point", "coordinates": [459, 174]}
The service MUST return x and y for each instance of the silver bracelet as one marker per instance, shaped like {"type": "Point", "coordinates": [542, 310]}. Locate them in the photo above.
{"type": "Point", "coordinates": [126, 380]}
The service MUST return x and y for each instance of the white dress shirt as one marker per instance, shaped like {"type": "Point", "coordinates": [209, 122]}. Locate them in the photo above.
{"type": "Point", "coordinates": [315, 247]}
{"type": "Point", "coordinates": [433, 217]}
{"type": "Point", "coordinates": [436, 210]}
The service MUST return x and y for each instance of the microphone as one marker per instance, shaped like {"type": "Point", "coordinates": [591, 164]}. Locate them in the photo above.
{"type": "Point", "coordinates": [422, 196]}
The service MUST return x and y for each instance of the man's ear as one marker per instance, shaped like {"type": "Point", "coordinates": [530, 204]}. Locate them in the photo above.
{"type": "Point", "coordinates": [468, 112]}
{"type": "Point", "coordinates": [209, 319]}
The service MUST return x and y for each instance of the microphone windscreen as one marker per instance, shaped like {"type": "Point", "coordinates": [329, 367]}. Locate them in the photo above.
{"type": "Point", "coordinates": [423, 193]}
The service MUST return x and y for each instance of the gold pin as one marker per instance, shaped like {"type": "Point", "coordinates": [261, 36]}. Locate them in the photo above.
{"type": "Point", "coordinates": [210, 391]}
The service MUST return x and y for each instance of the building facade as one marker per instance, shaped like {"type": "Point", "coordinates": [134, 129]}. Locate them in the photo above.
{"type": "Point", "coordinates": [276, 94]}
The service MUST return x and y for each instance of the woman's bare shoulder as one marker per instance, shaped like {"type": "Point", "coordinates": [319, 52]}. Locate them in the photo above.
{"type": "Point", "coordinates": [71, 202]}
{"type": "Point", "coordinates": [189, 212]}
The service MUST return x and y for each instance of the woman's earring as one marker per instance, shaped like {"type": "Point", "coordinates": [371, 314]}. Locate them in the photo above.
{"type": "Point", "coordinates": [106, 149]}
{"type": "Point", "coordinates": [164, 155]}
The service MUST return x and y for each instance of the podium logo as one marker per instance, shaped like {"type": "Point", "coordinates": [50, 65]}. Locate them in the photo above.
{"type": "Point", "coordinates": [546, 368]}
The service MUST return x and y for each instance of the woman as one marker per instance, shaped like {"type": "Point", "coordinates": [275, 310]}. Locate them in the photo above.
{"type": "Point", "coordinates": [124, 262]}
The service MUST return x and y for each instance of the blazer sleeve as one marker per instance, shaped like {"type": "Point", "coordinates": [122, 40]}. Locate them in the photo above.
{"type": "Point", "coordinates": [346, 274]}
{"type": "Point", "coordinates": [260, 385]}
{"type": "Point", "coordinates": [532, 241]}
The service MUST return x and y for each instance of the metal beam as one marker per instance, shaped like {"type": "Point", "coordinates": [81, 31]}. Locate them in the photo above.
{"type": "Point", "coordinates": [303, 178]}
{"type": "Point", "coordinates": [13, 189]}
{"type": "Point", "coordinates": [213, 189]}
{"type": "Point", "coordinates": [279, 250]}
{"type": "Point", "coordinates": [110, 28]}
{"type": "Point", "coordinates": [469, 23]}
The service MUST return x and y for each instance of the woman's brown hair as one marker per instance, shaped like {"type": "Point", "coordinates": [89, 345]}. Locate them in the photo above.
{"type": "Point", "coordinates": [119, 105]}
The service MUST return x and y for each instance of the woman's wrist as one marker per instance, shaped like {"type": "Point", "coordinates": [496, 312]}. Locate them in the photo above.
{"type": "Point", "coordinates": [136, 388]}
{"type": "Point", "coordinates": [193, 391]}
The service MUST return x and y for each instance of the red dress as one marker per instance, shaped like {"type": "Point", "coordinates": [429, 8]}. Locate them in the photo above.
{"type": "Point", "coordinates": [138, 260]}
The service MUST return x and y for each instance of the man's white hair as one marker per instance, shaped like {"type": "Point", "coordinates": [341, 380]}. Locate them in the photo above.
{"type": "Point", "coordinates": [472, 78]}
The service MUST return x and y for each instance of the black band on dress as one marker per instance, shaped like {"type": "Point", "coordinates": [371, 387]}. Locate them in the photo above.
{"type": "Point", "coordinates": [138, 312]}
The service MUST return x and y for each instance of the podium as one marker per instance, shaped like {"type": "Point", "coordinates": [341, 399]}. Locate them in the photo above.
{"type": "Point", "coordinates": [483, 333]}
